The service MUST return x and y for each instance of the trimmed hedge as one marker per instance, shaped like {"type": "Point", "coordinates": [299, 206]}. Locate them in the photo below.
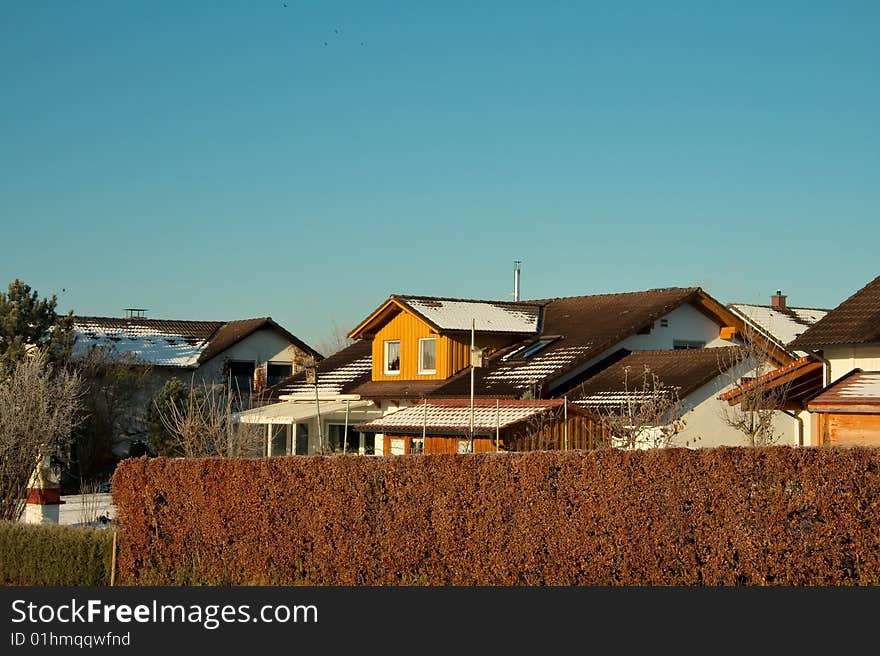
{"type": "Point", "coordinates": [48, 554]}
{"type": "Point", "coordinates": [725, 516]}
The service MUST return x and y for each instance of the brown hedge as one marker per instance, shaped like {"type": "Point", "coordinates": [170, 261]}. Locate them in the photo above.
{"type": "Point", "coordinates": [726, 516]}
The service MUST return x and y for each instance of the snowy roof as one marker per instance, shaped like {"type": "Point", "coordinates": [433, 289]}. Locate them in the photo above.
{"type": "Point", "coordinates": [169, 343]}
{"type": "Point", "coordinates": [488, 316]}
{"type": "Point", "coordinates": [617, 399]}
{"type": "Point", "coordinates": [856, 388]}
{"type": "Point", "coordinates": [520, 375]}
{"type": "Point", "coordinates": [152, 341]}
{"type": "Point", "coordinates": [453, 415]}
{"type": "Point", "coordinates": [337, 374]}
{"type": "Point", "coordinates": [784, 325]}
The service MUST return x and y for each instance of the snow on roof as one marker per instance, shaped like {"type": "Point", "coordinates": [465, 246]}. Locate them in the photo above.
{"type": "Point", "coordinates": [148, 344]}
{"type": "Point", "coordinates": [453, 314]}
{"type": "Point", "coordinates": [783, 326]}
{"type": "Point", "coordinates": [331, 383]}
{"type": "Point", "coordinates": [864, 385]}
{"type": "Point", "coordinates": [520, 374]}
{"type": "Point", "coordinates": [455, 416]}
{"type": "Point", "coordinates": [617, 399]}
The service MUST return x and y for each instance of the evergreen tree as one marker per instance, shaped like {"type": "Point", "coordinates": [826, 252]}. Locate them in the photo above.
{"type": "Point", "coordinates": [26, 322]}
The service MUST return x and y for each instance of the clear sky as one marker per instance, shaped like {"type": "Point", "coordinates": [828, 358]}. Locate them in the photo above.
{"type": "Point", "coordinates": [304, 160]}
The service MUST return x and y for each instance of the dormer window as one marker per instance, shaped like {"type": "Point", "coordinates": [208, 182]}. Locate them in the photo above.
{"type": "Point", "coordinates": [529, 350]}
{"type": "Point", "coordinates": [392, 357]}
{"type": "Point", "coordinates": [428, 355]}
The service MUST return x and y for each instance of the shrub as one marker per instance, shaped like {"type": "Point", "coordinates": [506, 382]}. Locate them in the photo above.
{"type": "Point", "coordinates": [726, 516]}
{"type": "Point", "coordinates": [41, 554]}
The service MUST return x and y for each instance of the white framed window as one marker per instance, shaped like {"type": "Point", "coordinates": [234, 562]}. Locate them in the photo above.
{"type": "Point", "coordinates": [417, 445]}
{"type": "Point", "coordinates": [428, 355]}
{"type": "Point", "coordinates": [392, 357]}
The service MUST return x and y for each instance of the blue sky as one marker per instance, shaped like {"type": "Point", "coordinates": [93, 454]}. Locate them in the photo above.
{"type": "Point", "coordinates": [220, 160]}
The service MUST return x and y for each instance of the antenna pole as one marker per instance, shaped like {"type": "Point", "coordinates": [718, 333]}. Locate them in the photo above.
{"type": "Point", "coordinates": [516, 264]}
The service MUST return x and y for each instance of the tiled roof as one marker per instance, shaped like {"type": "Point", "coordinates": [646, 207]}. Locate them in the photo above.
{"type": "Point", "coordinates": [453, 416]}
{"type": "Point", "coordinates": [155, 341]}
{"type": "Point", "coordinates": [455, 314]}
{"type": "Point", "coordinates": [338, 374]}
{"type": "Point", "coordinates": [683, 370]}
{"type": "Point", "coordinates": [782, 324]}
{"type": "Point", "coordinates": [857, 388]}
{"type": "Point", "coordinates": [170, 343]}
{"type": "Point", "coordinates": [588, 325]}
{"type": "Point", "coordinates": [394, 389]}
{"type": "Point", "coordinates": [855, 321]}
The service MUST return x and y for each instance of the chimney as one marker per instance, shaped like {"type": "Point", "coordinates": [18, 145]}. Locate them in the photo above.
{"type": "Point", "coordinates": [516, 264]}
{"type": "Point", "coordinates": [778, 300]}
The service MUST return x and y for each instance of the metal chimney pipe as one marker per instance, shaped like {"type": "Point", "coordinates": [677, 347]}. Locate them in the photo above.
{"type": "Point", "coordinates": [516, 264]}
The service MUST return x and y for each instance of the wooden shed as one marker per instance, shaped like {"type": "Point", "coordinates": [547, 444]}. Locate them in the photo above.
{"type": "Point", "coordinates": [444, 426]}
{"type": "Point", "coordinates": [847, 412]}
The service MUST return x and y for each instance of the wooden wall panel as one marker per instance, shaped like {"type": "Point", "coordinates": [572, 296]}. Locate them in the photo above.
{"type": "Point", "coordinates": [853, 429]}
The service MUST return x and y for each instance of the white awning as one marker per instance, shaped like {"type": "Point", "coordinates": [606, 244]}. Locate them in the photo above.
{"type": "Point", "coordinates": [291, 412]}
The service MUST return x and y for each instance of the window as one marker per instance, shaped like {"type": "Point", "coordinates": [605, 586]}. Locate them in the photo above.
{"type": "Point", "coordinates": [241, 377]}
{"type": "Point", "coordinates": [464, 446]}
{"type": "Point", "coordinates": [398, 446]}
{"type": "Point", "coordinates": [336, 436]}
{"type": "Point", "coordinates": [687, 344]}
{"type": "Point", "coordinates": [428, 355]}
{"type": "Point", "coordinates": [279, 440]}
{"type": "Point", "coordinates": [277, 371]}
{"type": "Point", "coordinates": [417, 445]}
{"type": "Point", "coordinates": [664, 323]}
{"type": "Point", "coordinates": [301, 446]}
{"type": "Point", "coordinates": [392, 357]}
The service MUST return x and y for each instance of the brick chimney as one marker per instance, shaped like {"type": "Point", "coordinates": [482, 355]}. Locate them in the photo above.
{"type": "Point", "coordinates": [778, 300]}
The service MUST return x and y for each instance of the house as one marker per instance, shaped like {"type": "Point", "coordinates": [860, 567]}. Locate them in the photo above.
{"type": "Point", "coordinates": [246, 354]}
{"type": "Point", "coordinates": [832, 388]}
{"type": "Point", "coordinates": [420, 347]}
{"type": "Point", "coordinates": [780, 322]}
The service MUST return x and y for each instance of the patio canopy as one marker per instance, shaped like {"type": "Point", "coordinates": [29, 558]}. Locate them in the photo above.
{"type": "Point", "coordinates": [291, 412]}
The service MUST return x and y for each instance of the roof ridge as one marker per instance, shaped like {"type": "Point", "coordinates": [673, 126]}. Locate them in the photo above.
{"type": "Point", "coordinates": [137, 319]}
{"type": "Point", "coordinates": [787, 307]}
{"type": "Point", "coordinates": [639, 291]}
{"type": "Point", "coordinates": [462, 300]}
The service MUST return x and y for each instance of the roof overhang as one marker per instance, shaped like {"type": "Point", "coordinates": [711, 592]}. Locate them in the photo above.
{"type": "Point", "coordinates": [801, 380]}
{"type": "Point", "coordinates": [291, 412]}
{"type": "Point", "coordinates": [379, 317]}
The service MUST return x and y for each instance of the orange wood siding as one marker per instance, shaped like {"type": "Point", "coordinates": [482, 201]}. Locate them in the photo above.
{"type": "Point", "coordinates": [408, 329]}
{"type": "Point", "coordinates": [453, 351]}
{"type": "Point", "coordinates": [443, 444]}
{"type": "Point", "coordinates": [851, 429]}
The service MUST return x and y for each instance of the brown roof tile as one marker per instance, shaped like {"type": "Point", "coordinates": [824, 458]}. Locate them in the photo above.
{"type": "Point", "coordinates": [393, 389]}
{"type": "Point", "coordinates": [685, 370]}
{"type": "Point", "coordinates": [855, 321]}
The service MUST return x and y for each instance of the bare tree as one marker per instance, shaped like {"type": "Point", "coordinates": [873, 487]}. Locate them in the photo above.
{"type": "Point", "coordinates": [760, 401]}
{"type": "Point", "coordinates": [202, 424]}
{"type": "Point", "coordinates": [39, 405]}
{"type": "Point", "coordinates": [337, 341]}
{"type": "Point", "coordinates": [646, 414]}
{"type": "Point", "coordinates": [112, 385]}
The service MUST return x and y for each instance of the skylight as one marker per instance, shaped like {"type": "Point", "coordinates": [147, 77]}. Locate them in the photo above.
{"type": "Point", "coordinates": [529, 350]}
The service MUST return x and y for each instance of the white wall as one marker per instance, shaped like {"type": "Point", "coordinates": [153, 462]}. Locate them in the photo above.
{"type": "Point", "coordinates": [704, 415]}
{"type": "Point", "coordinates": [846, 358]}
{"type": "Point", "coordinates": [264, 345]}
